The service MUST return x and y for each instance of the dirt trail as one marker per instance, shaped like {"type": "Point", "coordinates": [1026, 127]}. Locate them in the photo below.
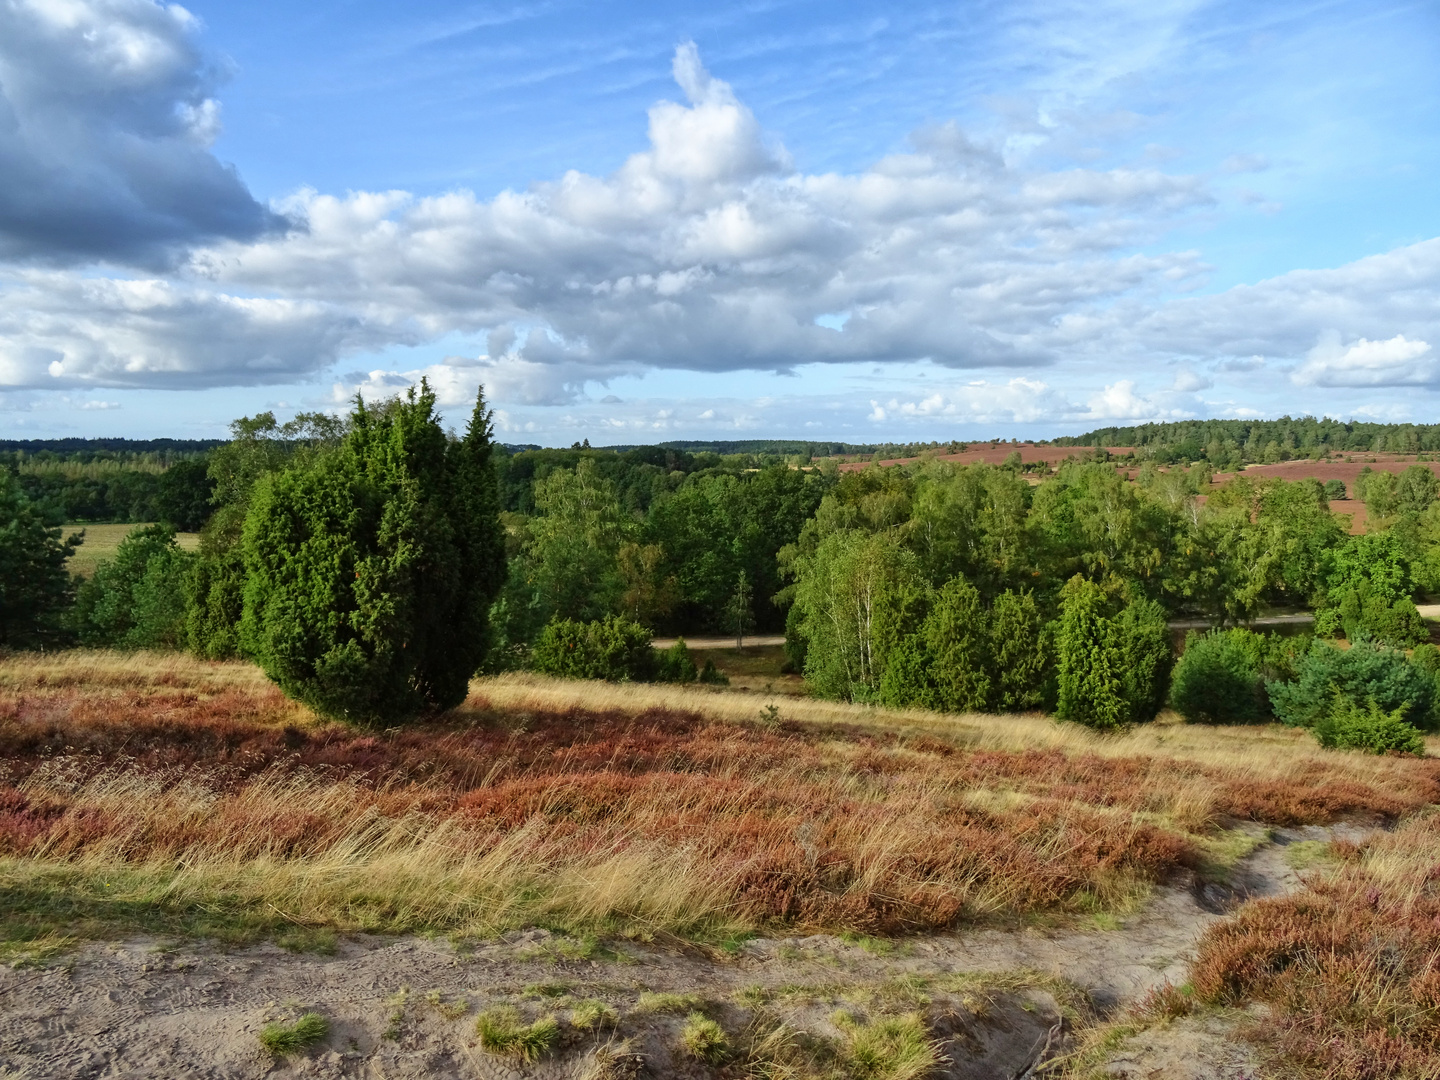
{"type": "Point", "coordinates": [142, 1009]}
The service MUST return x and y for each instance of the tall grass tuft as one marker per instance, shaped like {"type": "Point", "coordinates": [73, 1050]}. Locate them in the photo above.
{"type": "Point", "coordinates": [503, 1032]}
{"type": "Point", "coordinates": [282, 1040]}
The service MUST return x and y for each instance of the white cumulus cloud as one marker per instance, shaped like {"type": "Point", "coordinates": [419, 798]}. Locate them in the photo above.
{"type": "Point", "coordinates": [1393, 362]}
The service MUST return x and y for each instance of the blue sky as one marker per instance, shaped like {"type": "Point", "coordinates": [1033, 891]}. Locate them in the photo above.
{"type": "Point", "coordinates": [642, 222]}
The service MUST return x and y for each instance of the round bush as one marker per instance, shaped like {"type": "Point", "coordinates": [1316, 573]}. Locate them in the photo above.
{"type": "Point", "coordinates": [1216, 681]}
{"type": "Point", "coordinates": [614, 648]}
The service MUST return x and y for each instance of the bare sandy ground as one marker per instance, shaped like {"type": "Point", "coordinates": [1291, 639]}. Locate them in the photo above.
{"type": "Point", "coordinates": [406, 1008]}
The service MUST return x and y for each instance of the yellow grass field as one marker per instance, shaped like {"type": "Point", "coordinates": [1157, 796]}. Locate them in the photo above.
{"type": "Point", "coordinates": [102, 540]}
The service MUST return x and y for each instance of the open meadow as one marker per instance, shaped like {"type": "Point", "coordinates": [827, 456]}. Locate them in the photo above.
{"type": "Point", "coordinates": [102, 541]}
{"type": "Point", "coordinates": [735, 845]}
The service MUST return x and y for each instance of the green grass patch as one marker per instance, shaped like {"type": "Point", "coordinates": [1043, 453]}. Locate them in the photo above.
{"type": "Point", "coordinates": [1220, 853]}
{"type": "Point", "coordinates": [504, 1033]}
{"type": "Point", "coordinates": [308, 939]}
{"type": "Point", "coordinates": [872, 945]}
{"type": "Point", "coordinates": [732, 944]}
{"type": "Point", "coordinates": [46, 904]}
{"type": "Point", "coordinates": [704, 1039]}
{"type": "Point", "coordinates": [592, 1014]}
{"type": "Point", "coordinates": [451, 1009]}
{"type": "Point", "coordinates": [282, 1040]}
{"type": "Point", "coordinates": [1308, 854]}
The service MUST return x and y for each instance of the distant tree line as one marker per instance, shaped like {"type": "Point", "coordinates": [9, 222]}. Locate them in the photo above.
{"type": "Point", "coordinates": [372, 563]}
{"type": "Point", "coordinates": [1227, 443]}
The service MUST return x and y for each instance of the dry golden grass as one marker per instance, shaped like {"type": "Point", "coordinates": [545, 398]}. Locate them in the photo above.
{"type": "Point", "coordinates": [1270, 751]}
{"type": "Point", "coordinates": [158, 791]}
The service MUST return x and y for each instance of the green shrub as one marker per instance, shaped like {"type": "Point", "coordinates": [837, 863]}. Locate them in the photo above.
{"type": "Point", "coordinates": [675, 664]}
{"type": "Point", "coordinates": [963, 657]}
{"type": "Point", "coordinates": [1362, 614]}
{"type": "Point", "coordinates": [1427, 658]}
{"type": "Point", "coordinates": [795, 643]}
{"type": "Point", "coordinates": [1142, 639]}
{"type": "Point", "coordinates": [1334, 489]}
{"type": "Point", "coordinates": [1364, 672]}
{"type": "Point", "coordinates": [942, 665]}
{"type": "Point", "coordinates": [283, 1039]}
{"type": "Point", "coordinates": [1114, 657]}
{"type": "Point", "coordinates": [1348, 726]}
{"type": "Point", "coordinates": [1217, 680]}
{"type": "Point", "coordinates": [136, 600]}
{"type": "Point", "coordinates": [1020, 655]}
{"type": "Point", "coordinates": [215, 601]}
{"type": "Point", "coordinates": [369, 573]}
{"type": "Point", "coordinates": [503, 1032]}
{"type": "Point", "coordinates": [35, 588]}
{"type": "Point", "coordinates": [710, 675]}
{"type": "Point", "coordinates": [613, 648]}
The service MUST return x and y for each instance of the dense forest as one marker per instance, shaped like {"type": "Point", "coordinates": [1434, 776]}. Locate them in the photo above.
{"type": "Point", "coordinates": [932, 584]}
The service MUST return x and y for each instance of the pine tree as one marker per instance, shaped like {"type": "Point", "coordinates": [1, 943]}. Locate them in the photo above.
{"type": "Point", "coordinates": [1114, 656]}
{"type": "Point", "coordinates": [370, 570]}
{"type": "Point", "coordinates": [1092, 690]}
{"type": "Point", "coordinates": [34, 585]}
{"type": "Point", "coordinates": [955, 641]}
{"type": "Point", "coordinates": [739, 612]}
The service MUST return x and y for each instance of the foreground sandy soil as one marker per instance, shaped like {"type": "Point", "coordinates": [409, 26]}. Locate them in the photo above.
{"type": "Point", "coordinates": [1002, 1001]}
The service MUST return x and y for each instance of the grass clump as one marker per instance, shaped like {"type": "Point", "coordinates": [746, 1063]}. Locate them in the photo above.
{"type": "Point", "coordinates": [773, 1050]}
{"type": "Point", "coordinates": [592, 1014]}
{"type": "Point", "coordinates": [547, 990]}
{"type": "Point", "coordinates": [504, 1033]}
{"type": "Point", "coordinates": [651, 1002]}
{"type": "Point", "coordinates": [396, 1024]}
{"type": "Point", "coordinates": [887, 1048]}
{"type": "Point", "coordinates": [281, 1040]}
{"type": "Point", "coordinates": [704, 1039]}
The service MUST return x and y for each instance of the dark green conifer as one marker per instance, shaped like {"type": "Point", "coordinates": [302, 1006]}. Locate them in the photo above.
{"type": "Point", "coordinates": [370, 570]}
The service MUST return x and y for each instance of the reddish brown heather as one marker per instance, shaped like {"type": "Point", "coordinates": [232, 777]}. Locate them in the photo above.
{"type": "Point", "coordinates": [1350, 968]}
{"type": "Point", "coordinates": [821, 825]}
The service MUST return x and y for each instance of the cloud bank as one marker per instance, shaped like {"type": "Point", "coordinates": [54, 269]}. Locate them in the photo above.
{"type": "Point", "coordinates": [107, 112]}
{"type": "Point", "coordinates": [706, 251]}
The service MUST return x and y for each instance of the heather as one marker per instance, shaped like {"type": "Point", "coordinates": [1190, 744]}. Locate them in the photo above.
{"type": "Point", "coordinates": [195, 796]}
{"type": "Point", "coordinates": [1347, 966]}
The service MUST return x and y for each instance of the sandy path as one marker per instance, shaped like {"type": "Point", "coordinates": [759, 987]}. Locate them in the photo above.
{"type": "Point", "coordinates": [751, 641]}
{"type": "Point", "coordinates": [141, 1009]}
